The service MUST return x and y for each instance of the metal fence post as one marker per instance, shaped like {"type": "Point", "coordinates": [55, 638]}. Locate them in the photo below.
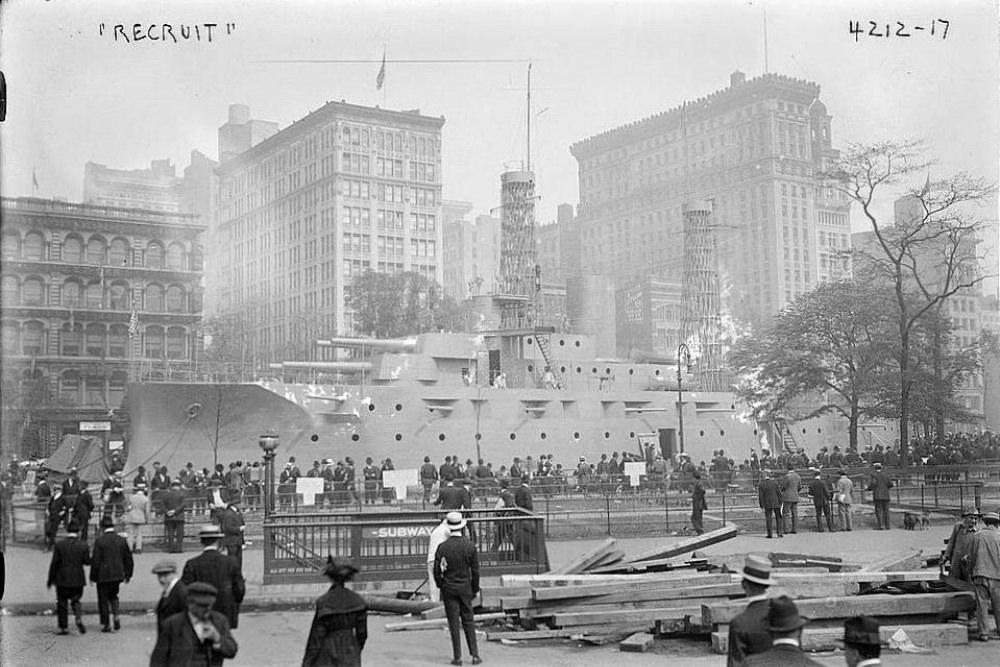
{"type": "Point", "coordinates": [666, 504]}
{"type": "Point", "coordinates": [607, 502]}
{"type": "Point", "coordinates": [961, 496]}
{"type": "Point", "coordinates": [922, 506]}
{"type": "Point", "coordinates": [723, 507]}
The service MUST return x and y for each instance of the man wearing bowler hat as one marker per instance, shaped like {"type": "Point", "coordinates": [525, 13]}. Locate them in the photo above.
{"type": "Point", "coordinates": [222, 571]}
{"type": "Point", "coordinates": [748, 633]}
{"type": "Point", "coordinates": [785, 626]}
{"type": "Point", "coordinates": [173, 600]}
{"type": "Point", "coordinates": [862, 644]}
{"type": "Point", "coordinates": [198, 636]}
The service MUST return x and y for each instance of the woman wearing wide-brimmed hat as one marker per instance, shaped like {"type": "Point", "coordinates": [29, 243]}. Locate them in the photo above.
{"type": "Point", "coordinates": [340, 627]}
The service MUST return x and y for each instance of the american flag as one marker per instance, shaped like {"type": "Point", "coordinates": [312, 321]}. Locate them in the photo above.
{"type": "Point", "coordinates": [380, 79]}
{"type": "Point", "coordinates": [133, 323]}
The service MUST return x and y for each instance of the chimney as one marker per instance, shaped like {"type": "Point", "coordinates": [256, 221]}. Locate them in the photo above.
{"type": "Point", "coordinates": [736, 78]}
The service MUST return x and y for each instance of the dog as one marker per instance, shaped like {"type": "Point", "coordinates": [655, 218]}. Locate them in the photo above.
{"type": "Point", "coordinates": [909, 521]}
{"type": "Point", "coordinates": [925, 521]}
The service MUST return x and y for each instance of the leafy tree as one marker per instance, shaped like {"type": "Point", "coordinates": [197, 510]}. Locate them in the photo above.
{"type": "Point", "coordinates": [927, 250]}
{"type": "Point", "coordinates": [831, 342]}
{"type": "Point", "coordinates": [402, 304]}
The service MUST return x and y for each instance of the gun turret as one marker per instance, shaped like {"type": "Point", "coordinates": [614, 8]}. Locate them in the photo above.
{"type": "Point", "coordinates": [374, 344]}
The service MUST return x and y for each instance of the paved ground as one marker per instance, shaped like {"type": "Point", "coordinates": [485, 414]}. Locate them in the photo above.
{"type": "Point", "coordinates": [278, 638]}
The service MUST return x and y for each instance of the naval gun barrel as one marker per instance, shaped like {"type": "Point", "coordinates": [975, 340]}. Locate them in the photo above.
{"type": "Point", "coordinates": [374, 344]}
{"type": "Point", "coordinates": [326, 366]}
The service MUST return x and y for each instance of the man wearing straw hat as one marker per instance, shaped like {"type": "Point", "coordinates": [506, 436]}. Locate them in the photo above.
{"type": "Point", "coordinates": [748, 632]}
{"type": "Point", "coordinates": [456, 572]}
{"type": "Point", "coordinates": [785, 626]}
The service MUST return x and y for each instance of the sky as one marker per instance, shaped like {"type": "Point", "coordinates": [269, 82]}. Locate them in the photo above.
{"type": "Point", "coordinates": [78, 92]}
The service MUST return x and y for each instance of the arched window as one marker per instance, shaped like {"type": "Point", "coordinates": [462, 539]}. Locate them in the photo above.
{"type": "Point", "coordinates": [176, 337]}
{"type": "Point", "coordinates": [94, 296]}
{"type": "Point", "coordinates": [10, 247]}
{"type": "Point", "coordinates": [94, 340]}
{"type": "Point", "coordinates": [154, 255]}
{"type": "Point", "coordinates": [72, 294]}
{"type": "Point", "coordinates": [176, 257]}
{"type": "Point", "coordinates": [117, 340]}
{"type": "Point", "coordinates": [97, 250]}
{"type": "Point", "coordinates": [8, 291]}
{"type": "Point", "coordinates": [69, 387]}
{"type": "Point", "coordinates": [70, 340]}
{"type": "Point", "coordinates": [175, 299]}
{"type": "Point", "coordinates": [33, 292]}
{"type": "Point", "coordinates": [118, 296]}
{"type": "Point", "coordinates": [33, 338]}
{"type": "Point", "coordinates": [154, 342]}
{"type": "Point", "coordinates": [11, 335]}
{"type": "Point", "coordinates": [34, 246]}
{"type": "Point", "coordinates": [94, 390]}
{"type": "Point", "coordinates": [118, 253]}
{"type": "Point", "coordinates": [154, 298]}
{"type": "Point", "coordinates": [116, 388]}
{"type": "Point", "coordinates": [72, 250]}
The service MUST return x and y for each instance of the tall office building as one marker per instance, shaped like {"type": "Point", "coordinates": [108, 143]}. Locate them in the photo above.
{"type": "Point", "coordinates": [346, 189]}
{"type": "Point", "coordinates": [754, 150]}
{"type": "Point", "coordinates": [155, 189]}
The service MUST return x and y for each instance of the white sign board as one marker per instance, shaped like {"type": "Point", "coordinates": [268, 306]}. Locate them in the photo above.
{"type": "Point", "coordinates": [309, 488]}
{"type": "Point", "coordinates": [634, 470]}
{"type": "Point", "coordinates": [399, 480]}
{"type": "Point", "coordinates": [95, 426]}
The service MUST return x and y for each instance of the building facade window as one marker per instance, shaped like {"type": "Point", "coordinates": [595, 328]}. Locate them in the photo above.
{"type": "Point", "coordinates": [34, 292]}
{"type": "Point", "coordinates": [94, 340]}
{"type": "Point", "coordinates": [117, 337]}
{"type": "Point", "coordinates": [70, 340]}
{"type": "Point", "coordinates": [154, 342]}
{"type": "Point", "coordinates": [96, 251]}
{"type": "Point", "coordinates": [176, 337]}
{"type": "Point", "coordinates": [33, 338]}
{"type": "Point", "coordinates": [154, 298]}
{"type": "Point", "coordinates": [69, 388]}
{"type": "Point", "coordinates": [154, 256]}
{"type": "Point", "coordinates": [34, 247]}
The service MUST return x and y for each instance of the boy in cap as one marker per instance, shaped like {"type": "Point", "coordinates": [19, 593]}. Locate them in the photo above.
{"type": "Point", "coordinates": [110, 565]}
{"type": "Point", "coordinates": [862, 644]}
{"type": "Point", "coordinates": [173, 600]}
{"type": "Point", "coordinates": [785, 626]}
{"type": "Point", "coordinates": [66, 573]}
{"type": "Point", "coordinates": [456, 573]}
{"type": "Point", "coordinates": [198, 636]}
{"type": "Point", "coordinates": [748, 632]}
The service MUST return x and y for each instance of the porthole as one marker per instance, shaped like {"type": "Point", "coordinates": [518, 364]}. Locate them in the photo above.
{"type": "Point", "coordinates": [576, 436]}
{"type": "Point", "coordinates": [371, 407]}
{"type": "Point", "coordinates": [819, 430]}
{"type": "Point", "coordinates": [594, 370]}
{"type": "Point", "coordinates": [544, 436]}
{"type": "Point", "coordinates": [579, 370]}
{"type": "Point", "coordinates": [399, 436]}
{"type": "Point", "coordinates": [314, 437]}
{"type": "Point", "coordinates": [479, 436]}
{"type": "Point", "coordinates": [562, 342]}
{"type": "Point", "coordinates": [441, 437]}
{"type": "Point", "coordinates": [701, 433]}
{"type": "Point", "coordinates": [607, 435]}
{"type": "Point", "coordinates": [399, 406]}
{"type": "Point", "coordinates": [355, 437]}
{"type": "Point", "coordinates": [631, 434]}
{"type": "Point", "coordinates": [529, 341]}
{"type": "Point", "coordinates": [755, 431]}
{"type": "Point", "coordinates": [531, 368]}
{"type": "Point", "coordinates": [657, 373]}
{"type": "Point", "coordinates": [631, 371]}
{"type": "Point", "coordinates": [722, 433]}
{"type": "Point", "coordinates": [577, 343]}
{"type": "Point", "coordinates": [803, 431]}
{"type": "Point", "coordinates": [607, 371]}
{"type": "Point", "coordinates": [513, 436]}
{"type": "Point", "coordinates": [562, 369]}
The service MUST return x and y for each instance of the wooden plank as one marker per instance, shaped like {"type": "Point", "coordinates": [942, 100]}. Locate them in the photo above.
{"type": "Point", "coordinates": [892, 561]}
{"type": "Point", "coordinates": [436, 612]}
{"type": "Point", "coordinates": [561, 633]}
{"type": "Point", "coordinates": [582, 590]}
{"type": "Point", "coordinates": [607, 559]}
{"type": "Point", "coordinates": [567, 607]}
{"type": "Point", "coordinates": [587, 558]}
{"type": "Point", "coordinates": [542, 580]}
{"type": "Point", "coordinates": [860, 577]}
{"type": "Point", "coordinates": [637, 643]}
{"type": "Point", "coordinates": [941, 604]}
{"type": "Point", "coordinates": [825, 639]}
{"type": "Point", "coordinates": [646, 566]}
{"type": "Point", "coordinates": [629, 616]}
{"type": "Point", "coordinates": [688, 545]}
{"type": "Point", "coordinates": [438, 622]}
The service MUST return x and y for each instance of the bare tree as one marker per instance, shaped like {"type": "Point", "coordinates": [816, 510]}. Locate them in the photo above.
{"type": "Point", "coordinates": [926, 248]}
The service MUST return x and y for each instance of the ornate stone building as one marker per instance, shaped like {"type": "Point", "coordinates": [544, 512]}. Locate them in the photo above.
{"type": "Point", "coordinates": [92, 296]}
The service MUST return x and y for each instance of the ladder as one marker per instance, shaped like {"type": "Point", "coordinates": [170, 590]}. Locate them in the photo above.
{"type": "Point", "coordinates": [543, 345]}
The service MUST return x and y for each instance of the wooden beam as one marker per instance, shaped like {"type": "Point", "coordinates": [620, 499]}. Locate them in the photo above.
{"type": "Point", "coordinates": [569, 607]}
{"type": "Point", "coordinates": [892, 561]}
{"type": "Point", "coordinates": [941, 604]}
{"type": "Point", "coordinates": [438, 622]}
{"type": "Point", "coordinates": [860, 577]}
{"type": "Point", "coordinates": [637, 643]}
{"type": "Point", "coordinates": [650, 616]}
{"type": "Point", "coordinates": [581, 590]}
{"type": "Point", "coordinates": [542, 580]}
{"type": "Point", "coordinates": [607, 559]}
{"type": "Point", "coordinates": [688, 545]}
{"type": "Point", "coordinates": [825, 639]}
{"type": "Point", "coordinates": [575, 631]}
{"type": "Point", "coordinates": [587, 558]}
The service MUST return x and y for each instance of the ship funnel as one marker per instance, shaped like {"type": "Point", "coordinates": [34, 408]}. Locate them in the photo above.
{"type": "Point", "coordinates": [374, 344]}
{"type": "Point", "coordinates": [326, 366]}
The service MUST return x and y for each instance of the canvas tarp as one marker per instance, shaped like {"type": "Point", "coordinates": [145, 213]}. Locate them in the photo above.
{"type": "Point", "coordinates": [83, 453]}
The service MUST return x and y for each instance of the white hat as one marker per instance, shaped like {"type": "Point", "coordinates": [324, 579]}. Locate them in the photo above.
{"type": "Point", "coordinates": [757, 569]}
{"type": "Point", "coordinates": [456, 522]}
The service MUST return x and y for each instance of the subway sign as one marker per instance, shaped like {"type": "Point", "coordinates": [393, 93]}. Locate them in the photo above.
{"type": "Point", "coordinates": [393, 532]}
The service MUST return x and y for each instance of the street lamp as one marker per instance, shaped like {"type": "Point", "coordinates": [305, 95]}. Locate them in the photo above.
{"type": "Point", "coordinates": [682, 353]}
{"type": "Point", "coordinates": [268, 444]}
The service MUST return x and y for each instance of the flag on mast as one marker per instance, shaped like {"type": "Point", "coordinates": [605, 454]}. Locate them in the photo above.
{"type": "Point", "coordinates": [34, 181]}
{"type": "Point", "coordinates": [133, 321]}
{"type": "Point", "coordinates": [380, 79]}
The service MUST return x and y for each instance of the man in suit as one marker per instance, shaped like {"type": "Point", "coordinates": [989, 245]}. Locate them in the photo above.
{"type": "Point", "coordinates": [71, 489]}
{"type": "Point", "coordinates": [232, 525]}
{"type": "Point", "coordinates": [456, 573]}
{"type": "Point", "coordinates": [960, 543]}
{"type": "Point", "coordinates": [522, 495]}
{"type": "Point", "coordinates": [862, 642]}
{"type": "Point", "coordinates": [748, 633]}
{"type": "Point", "coordinates": [449, 496]}
{"type": "Point", "coordinates": [790, 486]}
{"type": "Point", "coordinates": [698, 505]}
{"type": "Point", "coordinates": [879, 486]}
{"type": "Point", "coordinates": [56, 511]}
{"type": "Point", "coordinates": [66, 574]}
{"type": "Point", "coordinates": [984, 567]}
{"type": "Point", "coordinates": [785, 626]}
{"type": "Point", "coordinates": [222, 571]}
{"type": "Point", "coordinates": [769, 498]}
{"type": "Point", "coordinates": [110, 565]}
{"type": "Point", "coordinates": [173, 600]}
{"type": "Point", "coordinates": [198, 637]}
{"type": "Point", "coordinates": [428, 476]}
{"type": "Point", "coordinates": [845, 498]}
{"type": "Point", "coordinates": [820, 493]}
{"type": "Point", "coordinates": [174, 504]}
{"type": "Point", "coordinates": [83, 509]}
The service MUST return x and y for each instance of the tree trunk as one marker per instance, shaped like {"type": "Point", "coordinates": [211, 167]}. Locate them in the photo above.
{"type": "Point", "coordinates": [852, 425]}
{"type": "Point", "coordinates": [904, 390]}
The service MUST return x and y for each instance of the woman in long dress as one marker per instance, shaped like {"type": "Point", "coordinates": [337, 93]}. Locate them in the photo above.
{"type": "Point", "coordinates": [340, 627]}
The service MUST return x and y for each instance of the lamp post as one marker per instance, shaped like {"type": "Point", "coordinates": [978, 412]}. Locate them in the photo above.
{"type": "Point", "coordinates": [682, 353]}
{"type": "Point", "coordinates": [268, 444]}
